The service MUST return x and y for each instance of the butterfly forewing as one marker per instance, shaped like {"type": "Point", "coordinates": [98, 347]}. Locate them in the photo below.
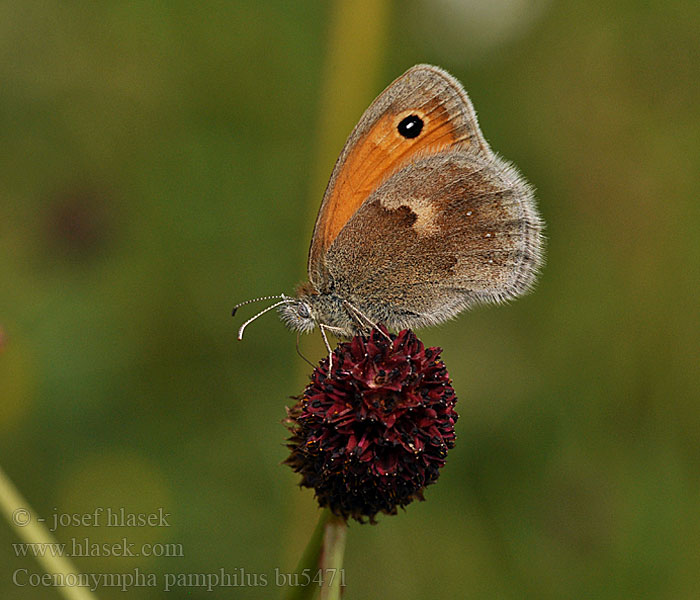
{"type": "Point", "coordinates": [381, 145]}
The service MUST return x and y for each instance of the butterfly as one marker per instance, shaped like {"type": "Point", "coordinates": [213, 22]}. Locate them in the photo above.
{"type": "Point", "coordinates": [420, 220]}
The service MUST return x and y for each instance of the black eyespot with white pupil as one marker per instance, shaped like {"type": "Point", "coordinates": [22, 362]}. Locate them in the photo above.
{"type": "Point", "coordinates": [410, 126]}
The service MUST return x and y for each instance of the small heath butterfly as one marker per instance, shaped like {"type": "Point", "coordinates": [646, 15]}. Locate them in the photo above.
{"type": "Point", "coordinates": [420, 219]}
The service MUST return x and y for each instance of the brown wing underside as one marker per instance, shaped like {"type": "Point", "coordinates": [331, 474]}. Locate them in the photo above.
{"type": "Point", "coordinates": [375, 150]}
{"type": "Point", "coordinates": [444, 232]}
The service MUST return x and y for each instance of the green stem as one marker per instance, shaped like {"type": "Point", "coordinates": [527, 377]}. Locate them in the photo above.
{"type": "Point", "coordinates": [309, 561]}
{"type": "Point", "coordinates": [322, 561]}
{"type": "Point", "coordinates": [331, 559]}
{"type": "Point", "coordinates": [31, 531]}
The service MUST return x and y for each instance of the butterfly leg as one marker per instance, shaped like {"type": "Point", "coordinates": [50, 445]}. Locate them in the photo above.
{"type": "Point", "coordinates": [359, 316]}
{"type": "Point", "coordinates": [328, 346]}
{"type": "Point", "coordinates": [337, 331]}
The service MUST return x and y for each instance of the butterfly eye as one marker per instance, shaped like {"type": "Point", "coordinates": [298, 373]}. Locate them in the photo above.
{"type": "Point", "coordinates": [303, 311]}
{"type": "Point", "coordinates": [411, 126]}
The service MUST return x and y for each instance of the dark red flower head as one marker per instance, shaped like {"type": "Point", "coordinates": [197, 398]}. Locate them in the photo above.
{"type": "Point", "coordinates": [371, 435]}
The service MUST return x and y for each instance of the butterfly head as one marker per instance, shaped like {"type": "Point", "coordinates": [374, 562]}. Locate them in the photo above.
{"type": "Point", "coordinates": [312, 308]}
{"type": "Point", "coordinates": [298, 314]}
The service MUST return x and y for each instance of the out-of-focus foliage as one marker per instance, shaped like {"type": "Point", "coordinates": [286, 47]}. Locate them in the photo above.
{"type": "Point", "coordinates": [155, 170]}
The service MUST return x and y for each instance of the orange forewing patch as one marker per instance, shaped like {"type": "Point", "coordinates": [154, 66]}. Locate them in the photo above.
{"type": "Point", "coordinates": [380, 153]}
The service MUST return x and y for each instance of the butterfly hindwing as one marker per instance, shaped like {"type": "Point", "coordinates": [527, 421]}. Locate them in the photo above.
{"type": "Point", "coordinates": [446, 231]}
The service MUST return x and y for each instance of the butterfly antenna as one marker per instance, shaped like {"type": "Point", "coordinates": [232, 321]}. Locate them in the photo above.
{"type": "Point", "coordinates": [235, 308]}
{"type": "Point", "coordinates": [262, 312]}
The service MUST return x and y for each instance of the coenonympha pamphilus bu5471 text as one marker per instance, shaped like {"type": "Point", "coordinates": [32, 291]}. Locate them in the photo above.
{"type": "Point", "coordinates": [420, 219]}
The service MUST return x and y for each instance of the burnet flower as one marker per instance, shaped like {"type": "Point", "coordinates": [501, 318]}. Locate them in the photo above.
{"type": "Point", "coordinates": [371, 435]}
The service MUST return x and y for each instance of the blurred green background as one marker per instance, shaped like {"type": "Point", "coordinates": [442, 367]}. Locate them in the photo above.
{"type": "Point", "coordinates": [162, 161]}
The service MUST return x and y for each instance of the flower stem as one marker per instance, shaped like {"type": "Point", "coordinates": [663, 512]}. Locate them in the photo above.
{"type": "Point", "coordinates": [331, 559]}
{"type": "Point", "coordinates": [309, 561]}
{"type": "Point", "coordinates": [24, 522]}
{"type": "Point", "coordinates": [322, 560]}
